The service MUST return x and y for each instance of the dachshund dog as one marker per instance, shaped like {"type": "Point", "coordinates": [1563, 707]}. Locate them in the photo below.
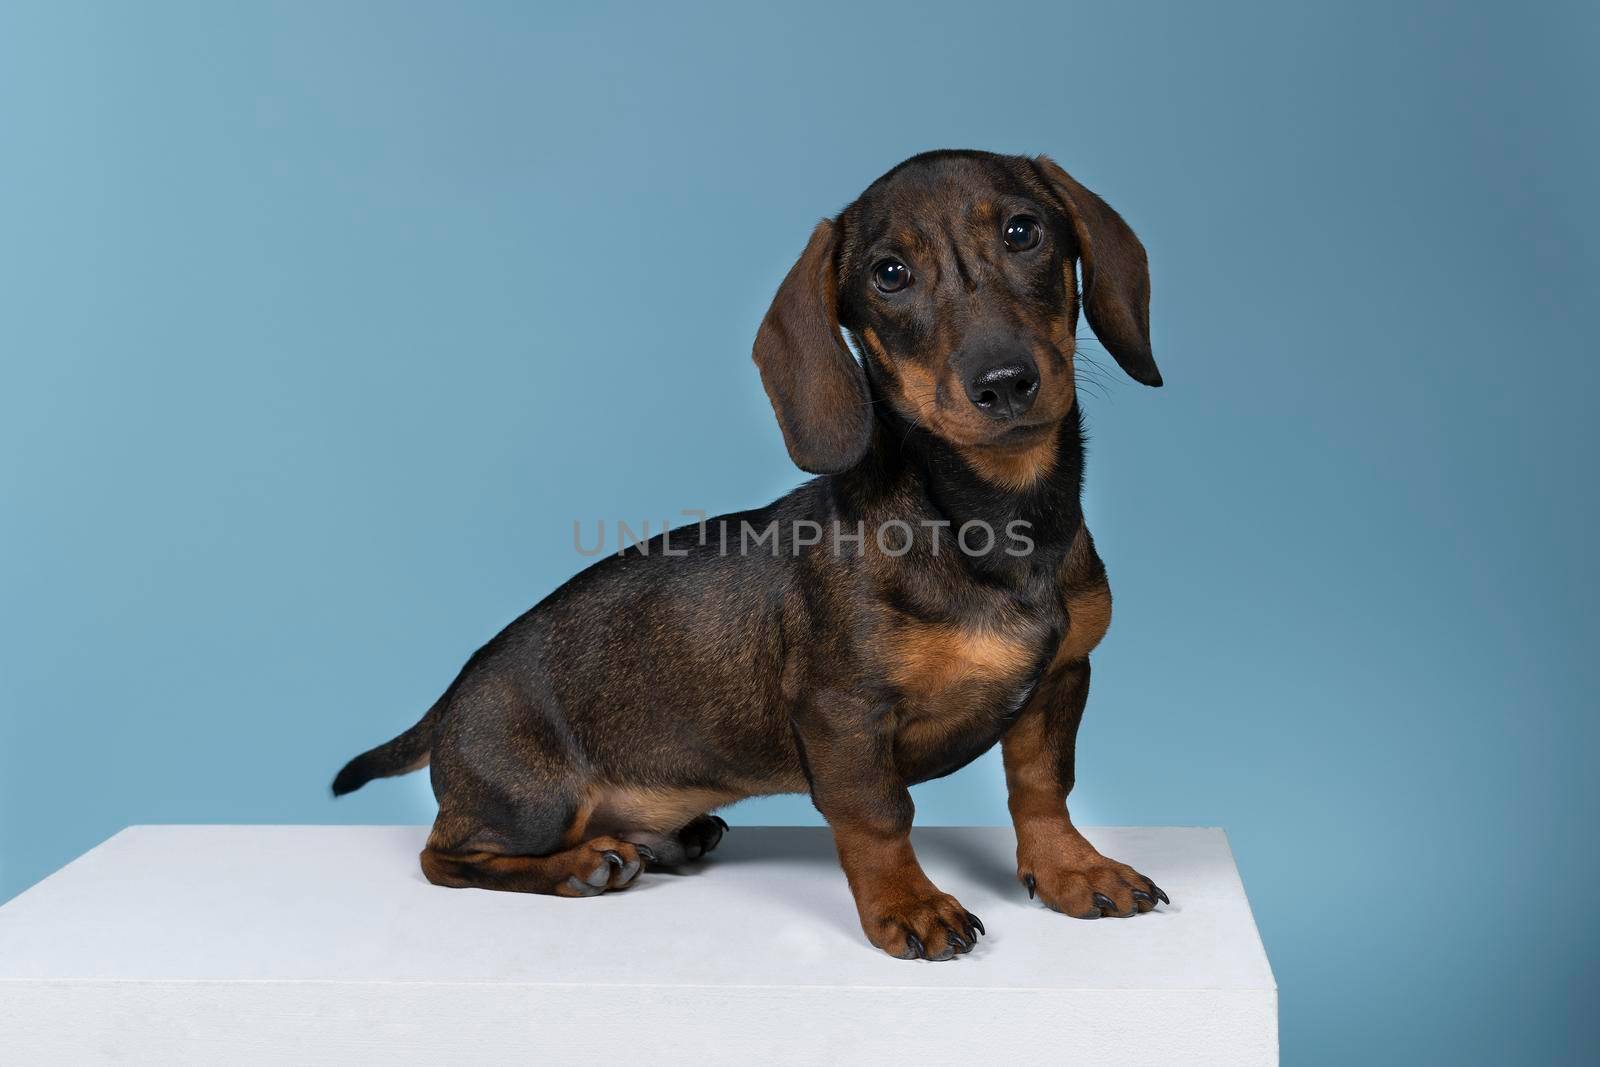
{"type": "Point", "coordinates": [933, 591]}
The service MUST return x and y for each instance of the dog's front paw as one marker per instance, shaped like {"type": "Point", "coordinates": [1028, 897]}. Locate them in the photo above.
{"type": "Point", "coordinates": [1087, 885]}
{"type": "Point", "coordinates": [929, 927]}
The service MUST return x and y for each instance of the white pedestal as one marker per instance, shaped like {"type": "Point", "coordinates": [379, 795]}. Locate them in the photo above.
{"type": "Point", "coordinates": [323, 944]}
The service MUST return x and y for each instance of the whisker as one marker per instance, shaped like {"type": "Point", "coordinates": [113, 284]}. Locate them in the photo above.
{"type": "Point", "coordinates": [916, 414]}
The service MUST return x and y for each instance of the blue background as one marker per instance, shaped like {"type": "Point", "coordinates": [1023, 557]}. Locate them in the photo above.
{"type": "Point", "coordinates": [307, 312]}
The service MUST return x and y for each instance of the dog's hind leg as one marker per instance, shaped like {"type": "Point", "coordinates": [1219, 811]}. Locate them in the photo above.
{"type": "Point", "coordinates": [584, 869]}
{"type": "Point", "coordinates": [514, 811]}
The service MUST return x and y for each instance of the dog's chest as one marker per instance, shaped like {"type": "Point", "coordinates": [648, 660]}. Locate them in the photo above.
{"type": "Point", "coordinates": [960, 686]}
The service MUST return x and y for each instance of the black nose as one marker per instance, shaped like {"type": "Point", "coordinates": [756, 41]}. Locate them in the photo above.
{"type": "Point", "coordinates": [1004, 392]}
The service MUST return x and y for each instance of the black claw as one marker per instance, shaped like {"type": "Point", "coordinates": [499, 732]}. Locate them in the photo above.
{"type": "Point", "coordinates": [614, 858]}
{"type": "Point", "coordinates": [961, 944]}
{"type": "Point", "coordinates": [1140, 894]}
{"type": "Point", "coordinates": [720, 821]}
{"type": "Point", "coordinates": [1028, 881]}
{"type": "Point", "coordinates": [918, 949]}
{"type": "Point", "coordinates": [1104, 903]}
{"type": "Point", "coordinates": [1159, 894]}
{"type": "Point", "coordinates": [646, 853]}
{"type": "Point", "coordinates": [973, 920]}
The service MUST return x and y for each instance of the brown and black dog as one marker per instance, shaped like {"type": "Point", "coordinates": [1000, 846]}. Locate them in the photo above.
{"type": "Point", "coordinates": [934, 591]}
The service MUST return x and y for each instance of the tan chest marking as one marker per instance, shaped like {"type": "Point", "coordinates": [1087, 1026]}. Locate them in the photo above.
{"type": "Point", "coordinates": [926, 660]}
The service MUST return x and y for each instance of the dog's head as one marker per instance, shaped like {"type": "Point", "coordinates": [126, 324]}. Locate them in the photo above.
{"type": "Point", "coordinates": [954, 275]}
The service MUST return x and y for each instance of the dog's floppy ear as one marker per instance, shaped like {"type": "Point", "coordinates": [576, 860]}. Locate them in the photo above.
{"type": "Point", "coordinates": [816, 386]}
{"type": "Point", "coordinates": [1116, 274]}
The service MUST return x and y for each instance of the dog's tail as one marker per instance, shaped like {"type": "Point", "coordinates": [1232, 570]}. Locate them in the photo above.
{"type": "Point", "coordinates": [406, 753]}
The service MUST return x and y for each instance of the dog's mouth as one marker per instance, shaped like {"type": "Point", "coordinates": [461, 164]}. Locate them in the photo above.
{"type": "Point", "coordinates": [1020, 436]}
{"type": "Point", "coordinates": [1024, 434]}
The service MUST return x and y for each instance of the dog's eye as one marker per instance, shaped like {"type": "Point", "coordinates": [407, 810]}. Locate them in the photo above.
{"type": "Point", "coordinates": [1022, 233]}
{"type": "Point", "coordinates": [890, 275]}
